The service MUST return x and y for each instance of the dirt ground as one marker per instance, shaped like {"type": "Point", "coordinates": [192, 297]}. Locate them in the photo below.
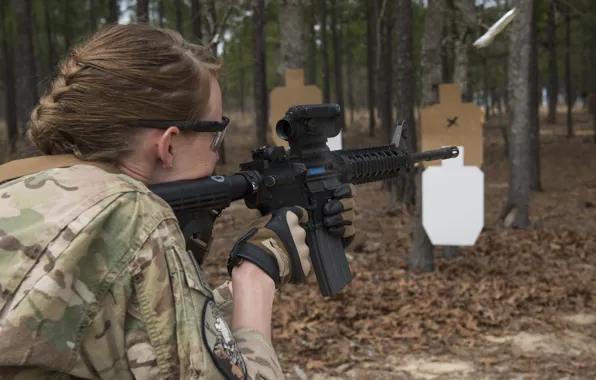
{"type": "Point", "coordinates": [517, 305]}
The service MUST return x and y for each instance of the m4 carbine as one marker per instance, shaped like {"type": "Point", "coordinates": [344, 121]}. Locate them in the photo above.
{"type": "Point", "coordinates": [305, 175]}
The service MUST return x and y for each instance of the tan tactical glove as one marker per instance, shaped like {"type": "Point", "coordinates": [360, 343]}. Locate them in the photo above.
{"type": "Point", "coordinates": [276, 243]}
{"type": "Point", "coordinates": [339, 214]}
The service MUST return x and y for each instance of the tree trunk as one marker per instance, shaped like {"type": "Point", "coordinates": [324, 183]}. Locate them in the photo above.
{"type": "Point", "coordinates": [460, 70]}
{"type": "Point", "coordinates": [260, 71]}
{"type": "Point", "coordinates": [462, 44]}
{"type": "Point", "coordinates": [178, 12]}
{"type": "Point", "coordinates": [161, 11]}
{"type": "Point", "coordinates": [50, 36]}
{"type": "Point", "coordinates": [421, 256]}
{"type": "Point", "coordinates": [290, 35]}
{"type": "Point", "coordinates": [506, 70]}
{"type": "Point", "coordinates": [350, 72]}
{"type": "Point", "coordinates": [568, 71]}
{"type": "Point", "coordinates": [506, 76]}
{"type": "Point", "coordinates": [379, 41]}
{"type": "Point", "coordinates": [535, 183]}
{"type": "Point", "coordinates": [312, 53]}
{"type": "Point", "coordinates": [113, 11]}
{"type": "Point", "coordinates": [388, 47]}
{"type": "Point", "coordinates": [212, 12]}
{"type": "Point", "coordinates": [10, 94]}
{"type": "Point", "coordinates": [516, 211]}
{"type": "Point", "coordinates": [143, 11]}
{"type": "Point", "coordinates": [446, 49]}
{"type": "Point", "coordinates": [486, 85]}
{"type": "Point", "coordinates": [92, 15]}
{"type": "Point", "coordinates": [430, 70]}
{"type": "Point", "coordinates": [324, 51]}
{"type": "Point", "coordinates": [370, 65]}
{"type": "Point", "coordinates": [26, 71]}
{"type": "Point", "coordinates": [553, 85]}
{"type": "Point", "coordinates": [337, 63]}
{"type": "Point", "coordinates": [242, 76]}
{"type": "Point", "coordinates": [66, 26]}
{"type": "Point", "coordinates": [197, 19]}
{"type": "Point", "coordinates": [382, 45]}
{"type": "Point", "coordinates": [404, 187]}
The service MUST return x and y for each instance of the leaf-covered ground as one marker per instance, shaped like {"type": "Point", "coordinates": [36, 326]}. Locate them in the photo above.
{"type": "Point", "coordinates": [520, 304]}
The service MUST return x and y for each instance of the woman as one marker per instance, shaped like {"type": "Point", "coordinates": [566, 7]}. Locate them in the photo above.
{"type": "Point", "coordinates": [95, 280]}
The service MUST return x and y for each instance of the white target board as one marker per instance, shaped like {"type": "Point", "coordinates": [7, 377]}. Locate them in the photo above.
{"type": "Point", "coordinates": [334, 143]}
{"type": "Point", "coordinates": [453, 202]}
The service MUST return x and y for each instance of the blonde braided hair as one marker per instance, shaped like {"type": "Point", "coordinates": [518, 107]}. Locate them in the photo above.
{"type": "Point", "coordinates": [121, 74]}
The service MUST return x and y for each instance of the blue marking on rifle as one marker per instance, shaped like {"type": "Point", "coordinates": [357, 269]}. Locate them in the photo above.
{"type": "Point", "coordinates": [314, 171]}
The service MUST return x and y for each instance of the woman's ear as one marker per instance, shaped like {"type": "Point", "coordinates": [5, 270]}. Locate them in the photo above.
{"type": "Point", "coordinates": [165, 150]}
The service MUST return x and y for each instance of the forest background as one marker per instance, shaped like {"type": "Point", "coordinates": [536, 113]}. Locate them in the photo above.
{"type": "Point", "coordinates": [520, 303]}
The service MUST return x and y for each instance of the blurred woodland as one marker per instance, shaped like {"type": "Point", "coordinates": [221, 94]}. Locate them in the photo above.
{"type": "Point", "coordinates": [344, 46]}
{"type": "Point", "coordinates": [521, 303]}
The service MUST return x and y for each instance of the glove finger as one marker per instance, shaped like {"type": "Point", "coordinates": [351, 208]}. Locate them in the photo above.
{"type": "Point", "coordinates": [333, 207]}
{"type": "Point", "coordinates": [298, 233]}
{"type": "Point", "coordinates": [353, 190]}
{"type": "Point", "coordinates": [338, 231]}
{"type": "Point", "coordinates": [304, 253]}
{"type": "Point", "coordinates": [338, 206]}
{"type": "Point", "coordinates": [348, 203]}
{"type": "Point", "coordinates": [296, 216]}
{"type": "Point", "coordinates": [345, 218]}
{"type": "Point", "coordinates": [349, 231]}
{"type": "Point", "coordinates": [343, 231]}
{"type": "Point", "coordinates": [345, 190]}
{"type": "Point", "coordinates": [301, 213]}
{"type": "Point", "coordinates": [348, 216]}
{"type": "Point", "coordinates": [333, 220]}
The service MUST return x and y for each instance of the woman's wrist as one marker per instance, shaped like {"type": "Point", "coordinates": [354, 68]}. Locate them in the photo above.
{"type": "Point", "coordinates": [247, 273]}
{"type": "Point", "coordinates": [254, 293]}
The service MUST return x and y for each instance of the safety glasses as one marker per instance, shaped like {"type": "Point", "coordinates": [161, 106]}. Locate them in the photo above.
{"type": "Point", "coordinates": [219, 127]}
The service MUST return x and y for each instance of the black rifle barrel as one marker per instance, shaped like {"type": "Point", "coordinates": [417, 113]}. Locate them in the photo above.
{"type": "Point", "coordinates": [377, 163]}
{"type": "Point", "coordinates": [437, 154]}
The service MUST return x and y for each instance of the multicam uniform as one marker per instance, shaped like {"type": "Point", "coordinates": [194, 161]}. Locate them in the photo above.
{"type": "Point", "coordinates": [95, 283]}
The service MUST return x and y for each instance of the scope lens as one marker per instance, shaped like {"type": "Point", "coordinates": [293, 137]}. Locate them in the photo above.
{"type": "Point", "coordinates": [284, 129]}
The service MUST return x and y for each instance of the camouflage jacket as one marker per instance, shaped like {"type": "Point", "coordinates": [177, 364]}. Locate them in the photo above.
{"type": "Point", "coordinates": [96, 283]}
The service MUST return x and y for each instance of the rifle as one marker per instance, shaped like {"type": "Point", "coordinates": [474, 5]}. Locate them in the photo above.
{"type": "Point", "coordinates": [305, 175]}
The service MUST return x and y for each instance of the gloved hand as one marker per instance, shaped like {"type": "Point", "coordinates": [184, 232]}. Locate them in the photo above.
{"type": "Point", "coordinates": [276, 243]}
{"type": "Point", "coordinates": [339, 214]}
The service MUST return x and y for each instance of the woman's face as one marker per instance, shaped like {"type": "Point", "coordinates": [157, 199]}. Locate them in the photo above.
{"type": "Point", "coordinates": [188, 156]}
{"type": "Point", "coordinates": [193, 156]}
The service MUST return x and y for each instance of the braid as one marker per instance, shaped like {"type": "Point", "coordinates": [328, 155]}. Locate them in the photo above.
{"type": "Point", "coordinates": [43, 131]}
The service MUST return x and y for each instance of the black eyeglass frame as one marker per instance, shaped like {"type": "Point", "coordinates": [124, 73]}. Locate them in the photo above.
{"type": "Point", "coordinates": [219, 127]}
{"type": "Point", "coordinates": [186, 125]}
